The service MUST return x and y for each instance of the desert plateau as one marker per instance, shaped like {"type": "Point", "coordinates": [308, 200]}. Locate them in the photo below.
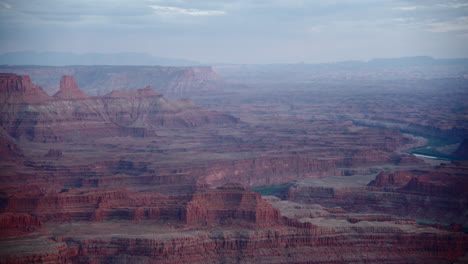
{"type": "Point", "coordinates": [245, 171]}
{"type": "Point", "coordinates": [234, 132]}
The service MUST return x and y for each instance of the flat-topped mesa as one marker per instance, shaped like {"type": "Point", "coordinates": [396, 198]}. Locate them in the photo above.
{"type": "Point", "coordinates": [148, 91]}
{"type": "Point", "coordinates": [231, 204]}
{"type": "Point", "coordinates": [396, 179]}
{"type": "Point", "coordinates": [69, 89]}
{"type": "Point", "coordinates": [17, 89]}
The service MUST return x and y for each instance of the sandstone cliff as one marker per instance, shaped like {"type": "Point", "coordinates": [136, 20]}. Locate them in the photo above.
{"type": "Point", "coordinates": [173, 82]}
{"type": "Point", "coordinates": [434, 195]}
{"type": "Point", "coordinates": [20, 89]}
{"type": "Point", "coordinates": [228, 224]}
{"type": "Point", "coordinates": [230, 205]}
{"type": "Point", "coordinates": [125, 113]}
{"type": "Point", "coordinates": [69, 89]}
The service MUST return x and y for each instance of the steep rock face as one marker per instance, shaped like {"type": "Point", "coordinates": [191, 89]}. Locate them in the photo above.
{"type": "Point", "coordinates": [20, 89]}
{"type": "Point", "coordinates": [125, 113]}
{"type": "Point", "coordinates": [444, 181]}
{"type": "Point", "coordinates": [435, 194]}
{"type": "Point", "coordinates": [9, 150]}
{"type": "Point", "coordinates": [174, 82]}
{"type": "Point", "coordinates": [273, 170]}
{"type": "Point", "coordinates": [94, 205]}
{"type": "Point", "coordinates": [230, 204]}
{"type": "Point", "coordinates": [69, 89]}
{"type": "Point", "coordinates": [14, 224]}
{"type": "Point", "coordinates": [396, 179]}
{"type": "Point", "coordinates": [350, 243]}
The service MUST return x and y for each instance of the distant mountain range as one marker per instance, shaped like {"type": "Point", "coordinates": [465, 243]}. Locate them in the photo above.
{"type": "Point", "coordinates": [144, 59]}
{"type": "Point", "coordinates": [69, 58]}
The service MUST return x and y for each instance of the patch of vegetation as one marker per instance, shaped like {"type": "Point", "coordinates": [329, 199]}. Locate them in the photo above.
{"type": "Point", "coordinates": [271, 189]}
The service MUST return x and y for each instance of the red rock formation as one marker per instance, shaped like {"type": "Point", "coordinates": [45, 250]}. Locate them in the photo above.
{"type": "Point", "coordinates": [360, 242]}
{"type": "Point", "coordinates": [95, 205]}
{"type": "Point", "coordinates": [14, 224]}
{"type": "Point", "coordinates": [146, 92]}
{"type": "Point", "coordinates": [443, 181]}
{"type": "Point", "coordinates": [230, 205]}
{"type": "Point", "coordinates": [9, 149]}
{"type": "Point", "coordinates": [433, 194]}
{"type": "Point", "coordinates": [397, 179]}
{"type": "Point", "coordinates": [125, 113]}
{"type": "Point", "coordinates": [19, 89]}
{"type": "Point", "coordinates": [174, 82]}
{"type": "Point", "coordinates": [146, 200]}
{"type": "Point", "coordinates": [69, 89]}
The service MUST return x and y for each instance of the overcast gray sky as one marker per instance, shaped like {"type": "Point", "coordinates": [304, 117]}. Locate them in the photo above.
{"type": "Point", "coordinates": [240, 31]}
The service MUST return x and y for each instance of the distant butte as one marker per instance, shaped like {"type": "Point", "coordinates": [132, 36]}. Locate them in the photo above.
{"type": "Point", "coordinates": [173, 82]}
{"type": "Point", "coordinates": [69, 89]}
{"type": "Point", "coordinates": [120, 113]}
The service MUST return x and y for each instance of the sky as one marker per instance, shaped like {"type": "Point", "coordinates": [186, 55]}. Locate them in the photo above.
{"type": "Point", "coordinates": [240, 31]}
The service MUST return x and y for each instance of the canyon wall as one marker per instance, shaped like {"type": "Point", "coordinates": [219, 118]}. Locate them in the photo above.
{"type": "Point", "coordinates": [28, 112]}
{"type": "Point", "coordinates": [172, 82]}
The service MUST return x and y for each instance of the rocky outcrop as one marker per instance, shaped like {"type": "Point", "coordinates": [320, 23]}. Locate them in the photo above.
{"type": "Point", "coordinates": [144, 198]}
{"type": "Point", "coordinates": [277, 169]}
{"type": "Point", "coordinates": [123, 94]}
{"type": "Point", "coordinates": [9, 150]}
{"type": "Point", "coordinates": [368, 242]}
{"type": "Point", "coordinates": [230, 205]}
{"type": "Point", "coordinates": [319, 245]}
{"type": "Point", "coordinates": [173, 82]}
{"type": "Point", "coordinates": [95, 205]}
{"type": "Point", "coordinates": [434, 195]}
{"type": "Point", "coordinates": [19, 89]}
{"type": "Point", "coordinates": [126, 113]}
{"type": "Point", "coordinates": [69, 89]}
{"type": "Point", "coordinates": [396, 179]}
{"type": "Point", "coordinates": [445, 181]}
{"type": "Point", "coordinates": [14, 224]}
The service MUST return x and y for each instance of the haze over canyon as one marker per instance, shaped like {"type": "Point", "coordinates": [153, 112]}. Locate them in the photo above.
{"type": "Point", "coordinates": [350, 162]}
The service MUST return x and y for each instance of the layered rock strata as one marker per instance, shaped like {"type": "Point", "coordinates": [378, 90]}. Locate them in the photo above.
{"type": "Point", "coordinates": [430, 195]}
{"type": "Point", "coordinates": [73, 115]}
{"type": "Point", "coordinates": [173, 82]}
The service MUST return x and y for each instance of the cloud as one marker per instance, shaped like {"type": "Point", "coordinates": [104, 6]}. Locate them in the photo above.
{"type": "Point", "coordinates": [5, 5]}
{"type": "Point", "coordinates": [406, 8]}
{"type": "Point", "coordinates": [245, 26]}
{"type": "Point", "coordinates": [171, 10]}
{"type": "Point", "coordinates": [454, 5]}
{"type": "Point", "coordinates": [315, 29]}
{"type": "Point", "coordinates": [459, 24]}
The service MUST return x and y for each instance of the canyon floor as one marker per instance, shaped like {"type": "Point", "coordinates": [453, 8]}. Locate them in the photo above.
{"type": "Point", "coordinates": [321, 172]}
